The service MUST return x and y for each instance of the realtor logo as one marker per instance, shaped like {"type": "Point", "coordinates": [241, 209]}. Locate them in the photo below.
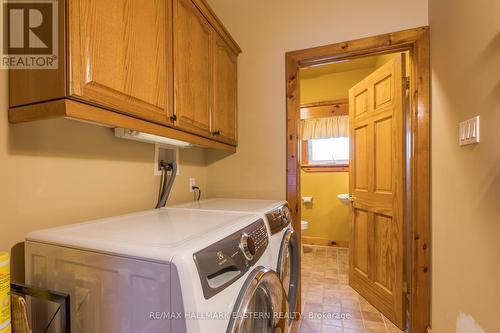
{"type": "Point", "coordinates": [29, 34]}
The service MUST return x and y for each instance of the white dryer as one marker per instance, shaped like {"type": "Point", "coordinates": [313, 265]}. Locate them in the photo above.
{"type": "Point", "coordinates": [162, 271]}
{"type": "Point", "coordinates": [285, 249]}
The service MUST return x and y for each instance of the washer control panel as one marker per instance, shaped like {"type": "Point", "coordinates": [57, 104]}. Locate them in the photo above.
{"type": "Point", "coordinates": [279, 218]}
{"type": "Point", "coordinates": [260, 238]}
{"type": "Point", "coordinates": [223, 262]}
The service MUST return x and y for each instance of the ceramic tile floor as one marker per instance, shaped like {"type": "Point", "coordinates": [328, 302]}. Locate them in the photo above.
{"type": "Point", "coordinates": [330, 305]}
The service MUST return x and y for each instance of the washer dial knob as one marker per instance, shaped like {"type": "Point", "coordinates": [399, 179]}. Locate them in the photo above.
{"type": "Point", "coordinates": [247, 246]}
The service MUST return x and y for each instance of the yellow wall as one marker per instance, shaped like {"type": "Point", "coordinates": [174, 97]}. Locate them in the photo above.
{"type": "Point", "coordinates": [465, 60]}
{"type": "Point", "coordinates": [382, 59]}
{"type": "Point", "coordinates": [56, 172]}
{"type": "Point", "coordinates": [266, 30]}
{"type": "Point", "coordinates": [331, 86]}
{"type": "Point", "coordinates": [327, 217]}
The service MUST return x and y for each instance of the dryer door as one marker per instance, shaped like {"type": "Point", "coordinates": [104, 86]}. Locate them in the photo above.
{"type": "Point", "coordinates": [288, 267]}
{"type": "Point", "coordinates": [261, 305]}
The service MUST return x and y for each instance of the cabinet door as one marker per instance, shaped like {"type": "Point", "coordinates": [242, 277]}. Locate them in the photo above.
{"type": "Point", "coordinates": [192, 68]}
{"type": "Point", "coordinates": [121, 55]}
{"type": "Point", "coordinates": [224, 113]}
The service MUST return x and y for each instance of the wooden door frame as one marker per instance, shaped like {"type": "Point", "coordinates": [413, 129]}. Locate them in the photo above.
{"type": "Point", "coordinates": [416, 41]}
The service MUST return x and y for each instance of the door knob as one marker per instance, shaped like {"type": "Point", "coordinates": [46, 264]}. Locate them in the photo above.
{"type": "Point", "coordinates": [351, 198]}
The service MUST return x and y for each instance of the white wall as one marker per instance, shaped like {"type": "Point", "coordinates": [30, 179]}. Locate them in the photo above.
{"type": "Point", "coordinates": [465, 57]}
{"type": "Point", "coordinates": [266, 30]}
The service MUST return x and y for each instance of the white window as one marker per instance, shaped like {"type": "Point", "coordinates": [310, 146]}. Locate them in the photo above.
{"type": "Point", "coordinates": [328, 151]}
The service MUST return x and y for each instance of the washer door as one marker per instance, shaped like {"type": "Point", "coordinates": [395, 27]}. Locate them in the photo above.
{"type": "Point", "coordinates": [261, 305]}
{"type": "Point", "coordinates": [288, 267]}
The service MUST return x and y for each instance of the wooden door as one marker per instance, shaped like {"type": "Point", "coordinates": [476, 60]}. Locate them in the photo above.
{"type": "Point", "coordinates": [193, 38]}
{"type": "Point", "coordinates": [376, 110]}
{"type": "Point", "coordinates": [121, 55]}
{"type": "Point", "coordinates": [224, 115]}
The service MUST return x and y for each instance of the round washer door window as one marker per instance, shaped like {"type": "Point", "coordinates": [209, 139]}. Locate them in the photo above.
{"type": "Point", "coordinates": [261, 305]}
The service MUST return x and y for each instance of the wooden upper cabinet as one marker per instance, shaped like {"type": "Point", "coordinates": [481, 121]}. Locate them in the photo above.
{"type": "Point", "coordinates": [121, 55]}
{"type": "Point", "coordinates": [165, 67]}
{"type": "Point", "coordinates": [224, 114]}
{"type": "Point", "coordinates": [193, 37]}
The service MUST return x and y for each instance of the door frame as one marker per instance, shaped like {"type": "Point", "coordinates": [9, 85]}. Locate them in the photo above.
{"type": "Point", "coordinates": [416, 41]}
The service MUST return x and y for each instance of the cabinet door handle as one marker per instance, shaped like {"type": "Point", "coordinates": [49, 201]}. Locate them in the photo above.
{"type": "Point", "coordinates": [215, 133]}
{"type": "Point", "coordinates": [173, 118]}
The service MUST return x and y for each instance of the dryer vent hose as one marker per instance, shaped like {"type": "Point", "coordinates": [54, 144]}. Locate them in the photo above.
{"type": "Point", "coordinates": [166, 186]}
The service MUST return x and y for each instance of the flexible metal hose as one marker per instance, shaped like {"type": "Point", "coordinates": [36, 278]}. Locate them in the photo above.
{"type": "Point", "coordinates": [168, 186]}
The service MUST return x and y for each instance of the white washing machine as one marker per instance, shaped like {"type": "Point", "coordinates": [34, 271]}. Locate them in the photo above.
{"type": "Point", "coordinates": [285, 249]}
{"type": "Point", "coordinates": [162, 271]}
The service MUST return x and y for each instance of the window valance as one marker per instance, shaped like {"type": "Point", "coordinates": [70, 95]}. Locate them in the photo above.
{"type": "Point", "coordinates": [325, 128]}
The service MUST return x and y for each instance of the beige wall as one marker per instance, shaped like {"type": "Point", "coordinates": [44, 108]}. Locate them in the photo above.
{"type": "Point", "coordinates": [266, 30]}
{"type": "Point", "coordinates": [57, 172]}
{"type": "Point", "coordinates": [465, 56]}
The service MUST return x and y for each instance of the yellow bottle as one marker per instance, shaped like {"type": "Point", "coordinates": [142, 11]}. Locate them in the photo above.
{"type": "Point", "coordinates": [5, 293]}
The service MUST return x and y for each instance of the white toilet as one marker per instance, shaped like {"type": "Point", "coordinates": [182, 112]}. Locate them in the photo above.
{"type": "Point", "coordinates": [304, 225]}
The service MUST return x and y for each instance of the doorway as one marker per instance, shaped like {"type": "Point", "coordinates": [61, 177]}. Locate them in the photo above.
{"type": "Point", "coordinates": [387, 225]}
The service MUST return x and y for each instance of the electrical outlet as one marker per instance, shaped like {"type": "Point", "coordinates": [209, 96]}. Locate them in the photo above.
{"type": "Point", "coordinates": [192, 182]}
{"type": "Point", "coordinates": [468, 132]}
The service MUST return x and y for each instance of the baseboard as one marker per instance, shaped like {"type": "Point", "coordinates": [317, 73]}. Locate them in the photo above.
{"type": "Point", "coordinates": [308, 240]}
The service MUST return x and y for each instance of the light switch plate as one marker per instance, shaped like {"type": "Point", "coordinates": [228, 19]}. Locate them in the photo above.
{"type": "Point", "coordinates": [468, 132]}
